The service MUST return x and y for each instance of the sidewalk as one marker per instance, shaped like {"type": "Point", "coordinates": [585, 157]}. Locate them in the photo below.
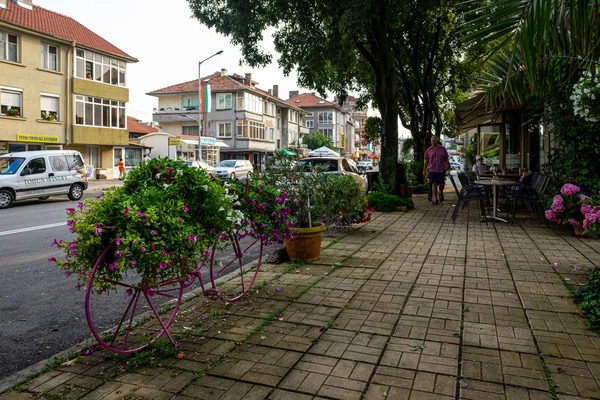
{"type": "Point", "coordinates": [96, 185]}
{"type": "Point", "coordinates": [410, 306]}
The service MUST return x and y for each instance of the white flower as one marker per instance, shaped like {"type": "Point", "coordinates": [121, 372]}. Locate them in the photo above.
{"type": "Point", "coordinates": [157, 176]}
{"type": "Point", "coordinates": [165, 185]}
{"type": "Point", "coordinates": [221, 209]}
{"type": "Point", "coordinates": [205, 187]}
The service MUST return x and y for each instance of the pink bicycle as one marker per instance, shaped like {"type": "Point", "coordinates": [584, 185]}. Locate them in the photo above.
{"type": "Point", "coordinates": [141, 322]}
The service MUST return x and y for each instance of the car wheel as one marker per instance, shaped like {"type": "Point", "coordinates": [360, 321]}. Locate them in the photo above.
{"type": "Point", "coordinates": [75, 192]}
{"type": "Point", "coordinates": [232, 176]}
{"type": "Point", "coordinates": [6, 198]}
{"type": "Point", "coordinates": [44, 198]}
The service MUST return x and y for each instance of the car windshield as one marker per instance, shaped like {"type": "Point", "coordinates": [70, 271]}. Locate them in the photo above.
{"type": "Point", "coordinates": [227, 164]}
{"type": "Point", "coordinates": [322, 165]}
{"type": "Point", "coordinates": [10, 165]}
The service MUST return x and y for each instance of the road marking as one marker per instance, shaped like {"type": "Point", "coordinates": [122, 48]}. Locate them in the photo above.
{"type": "Point", "coordinates": [33, 228]}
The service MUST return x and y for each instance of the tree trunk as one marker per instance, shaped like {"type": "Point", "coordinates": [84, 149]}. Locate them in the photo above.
{"type": "Point", "coordinates": [419, 153]}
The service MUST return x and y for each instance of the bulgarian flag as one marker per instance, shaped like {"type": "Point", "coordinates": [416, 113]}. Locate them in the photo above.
{"type": "Point", "coordinates": [205, 99]}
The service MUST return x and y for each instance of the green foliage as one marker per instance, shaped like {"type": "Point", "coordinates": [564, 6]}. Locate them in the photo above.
{"type": "Point", "coordinates": [470, 151]}
{"type": "Point", "coordinates": [372, 132]}
{"type": "Point", "coordinates": [407, 147]}
{"type": "Point", "coordinates": [316, 140]}
{"type": "Point", "coordinates": [385, 202]}
{"type": "Point", "coordinates": [414, 172]}
{"type": "Point", "coordinates": [345, 203]}
{"type": "Point", "coordinates": [588, 299]}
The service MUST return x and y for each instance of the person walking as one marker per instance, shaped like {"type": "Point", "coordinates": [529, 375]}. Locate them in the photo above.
{"type": "Point", "coordinates": [148, 156]}
{"type": "Point", "coordinates": [121, 166]}
{"type": "Point", "coordinates": [437, 161]}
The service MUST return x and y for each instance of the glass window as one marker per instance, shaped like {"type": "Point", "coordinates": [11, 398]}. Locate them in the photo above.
{"type": "Point", "coordinates": [133, 157]}
{"type": "Point", "coordinates": [35, 166]}
{"type": "Point", "coordinates": [10, 165]}
{"type": "Point", "coordinates": [58, 163]}
{"type": "Point", "coordinates": [190, 103]}
{"type": "Point", "coordinates": [10, 102]}
{"type": "Point", "coordinates": [224, 129]}
{"type": "Point", "coordinates": [224, 101]}
{"type": "Point", "coordinates": [489, 144]}
{"type": "Point", "coordinates": [49, 54]}
{"type": "Point", "coordinates": [9, 46]}
{"type": "Point", "coordinates": [240, 101]}
{"type": "Point", "coordinates": [100, 68]}
{"type": "Point", "coordinates": [94, 111]}
{"type": "Point", "coordinates": [49, 107]}
{"type": "Point", "coordinates": [309, 123]}
{"type": "Point", "coordinates": [326, 117]}
{"type": "Point", "coordinates": [79, 113]}
{"type": "Point", "coordinates": [191, 130]}
{"type": "Point", "coordinates": [89, 114]}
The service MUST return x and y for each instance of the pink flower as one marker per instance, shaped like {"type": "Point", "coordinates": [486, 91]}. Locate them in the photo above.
{"type": "Point", "coordinates": [80, 205]}
{"type": "Point", "coordinates": [153, 232]}
{"type": "Point", "coordinates": [186, 208]}
{"type": "Point", "coordinates": [129, 292]}
{"type": "Point", "coordinates": [551, 216]}
{"type": "Point", "coordinates": [143, 249]}
{"type": "Point", "coordinates": [162, 265]}
{"type": "Point", "coordinates": [118, 241]}
{"type": "Point", "coordinates": [573, 222]}
{"type": "Point", "coordinates": [554, 265]}
{"type": "Point", "coordinates": [98, 229]}
{"type": "Point", "coordinates": [191, 238]}
{"type": "Point", "coordinates": [70, 211]}
{"type": "Point", "coordinates": [558, 204]}
{"type": "Point", "coordinates": [575, 267]}
{"type": "Point", "coordinates": [52, 259]}
{"type": "Point", "coordinates": [152, 246]}
{"type": "Point", "coordinates": [118, 254]}
{"type": "Point", "coordinates": [112, 266]}
{"type": "Point", "coordinates": [126, 212]}
{"type": "Point", "coordinates": [585, 208]}
{"type": "Point", "coordinates": [569, 189]}
{"type": "Point", "coordinates": [133, 263]}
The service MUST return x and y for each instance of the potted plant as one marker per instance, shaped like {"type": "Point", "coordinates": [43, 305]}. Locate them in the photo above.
{"type": "Point", "coordinates": [48, 116]}
{"type": "Point", "coordinates": [572, 207]}
{"type": "Point", "coordinates": [13, 112]}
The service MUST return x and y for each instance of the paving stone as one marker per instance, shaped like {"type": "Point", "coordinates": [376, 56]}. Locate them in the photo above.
{"type": "Point", "coordinates": [212, 387]}
{"type": "Point", "coordinates": [350, 345]}
{"type": "Point", "coordinates": [310, 314]}
{"type": "Point", "coordinates": [426, 356]}
{"type": "Point", "coordinates": [367, 321]}
{"type": "Point", "coordinates": [352, 272]}
{"type": "Point", "coordinates": [286, 335]}
{"type": "Point", "coordinates": [573, 377]}
{"type": "Point", "coordinates": [558, 322]}
{"type": "Point", "coordinates": [228, 327]}
{"type": "Point", "coordinates": [327, 297]}
{"type": "Point", "coordinates": [498, 337]}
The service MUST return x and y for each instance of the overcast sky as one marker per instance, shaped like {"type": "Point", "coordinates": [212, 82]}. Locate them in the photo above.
{"type": "Point", "coordinates": [168, 43]}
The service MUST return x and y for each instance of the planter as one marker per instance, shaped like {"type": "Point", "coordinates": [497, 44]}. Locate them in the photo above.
{"type": "Point", "coordinates": [578, 229]}
{"type": "Point", "coordinates": [306, 244]}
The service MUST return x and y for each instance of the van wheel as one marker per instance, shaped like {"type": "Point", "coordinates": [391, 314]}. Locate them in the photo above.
{"type": "Point", "coordinates": [232, 176]}
{"type": "Point", "coordinates": [44, 198]}
{"type": "Point", "coordinates": [6, 198]}
{"type": "Point", "coordinates": [75, 192]}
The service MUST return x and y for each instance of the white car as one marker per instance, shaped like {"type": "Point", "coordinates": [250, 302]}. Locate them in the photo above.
{"type": "Point", "coordinates": [41, 174]}
{"type": "Point", "coordinates": [365, 165]}
{"type": "Point", "coordinates": [333, 165]}
{"type": "Point", "coordinates": [234, 169]}
{"type": "Point", "coordinates": [210, 171]}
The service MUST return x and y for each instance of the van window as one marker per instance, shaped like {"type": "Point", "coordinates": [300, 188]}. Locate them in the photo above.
{"type": "Point", "coordinates": [10, 165]}
{"type": "Point", "coordinates": [75, 162]}
{"type": "Point", "coordinates": [58, 163]}
{"type": "Point", "coordinates": [36, 166]}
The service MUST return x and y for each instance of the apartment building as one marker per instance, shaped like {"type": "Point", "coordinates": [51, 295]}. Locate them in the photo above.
{"type": "Point", "coordinates": [358, 116]}
{"type": "Point", "coordinates": [327, 118]}
{"type": "Point", "coordinates": [244, 122]}
{"type": "Point", "coordinates": [61, 86]}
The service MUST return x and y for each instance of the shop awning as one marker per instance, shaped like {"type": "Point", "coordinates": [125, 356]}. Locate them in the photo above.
{"type": "Point", "coordinates": [190, 142]}
{"type": "Point", "coordinates": [323, 152]}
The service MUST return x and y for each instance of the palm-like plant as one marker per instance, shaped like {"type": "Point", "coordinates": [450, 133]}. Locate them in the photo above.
{"type": "Point", "coordinates": [538, 44]}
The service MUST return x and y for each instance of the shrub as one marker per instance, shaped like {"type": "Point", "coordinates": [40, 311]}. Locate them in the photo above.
{"type": "Point", "coordinates": [387, 202]}
{"type": "Point", "coordinates": [588, 299]}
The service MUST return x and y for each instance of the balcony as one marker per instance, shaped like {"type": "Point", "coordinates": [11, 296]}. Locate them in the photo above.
{"type": "Point", "coordinates": [175, 114]}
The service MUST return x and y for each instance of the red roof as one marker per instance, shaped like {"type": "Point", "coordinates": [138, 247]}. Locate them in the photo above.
{"type": "Point", "coordinates": [134, 126]}
{"type": "Point", "coordinates": [310, 100]}
{"type": "Point", "coordinates": [57, 25]}
{"type": "Point", "coordinates": [218, 83]}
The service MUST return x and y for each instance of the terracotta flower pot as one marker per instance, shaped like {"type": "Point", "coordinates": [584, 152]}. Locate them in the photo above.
{"type": "Point", "coordinates": [306, 244]}
{"type": "Point", "coordinates": [578, 229]}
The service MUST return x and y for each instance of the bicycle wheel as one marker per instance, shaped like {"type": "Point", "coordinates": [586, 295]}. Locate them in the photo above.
{"type": "Point", "coordinates": [230, 262]}
{"type": "Point", "coordinates": [127, 320]}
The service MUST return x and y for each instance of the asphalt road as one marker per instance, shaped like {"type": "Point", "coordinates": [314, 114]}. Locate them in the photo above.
{"type": "Point", "coordinates": [41, 312]}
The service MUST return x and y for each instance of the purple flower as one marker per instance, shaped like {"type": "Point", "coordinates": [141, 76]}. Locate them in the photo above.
{"type": "Point", "coordinates": [129, 292]}
{"type": "Point", "coordinates": [554, 265]}
{"type": "Point", "coordinates": [316, 341]}
{"type": "Point", "coordinates": [112, 266]}
{"type": "Point", "coordinates": [118, 241]}
{"type": "Point", "coordinates": [164, 253]}
{"type": "Point", "coordinates": [186, 208]}
{"type": "Point", "coordinates": [70, 211]}
{"type": "Point", "coordinates": [152, 246]}
{"type": "Point", "coordinates": [558, 204]}
{"type": "Point", "coordinates": [133, 263]}
{"type": "Point", "coordinates": [80, 205]}
{"type": "Point", "coordinates": [203, 318]}
{"type": "Point", "coordinates": [573, 222]}
{"type": "Point", "coordinates": [191, 238]}
{"type": "Point", "coordinates": [118, 254]}
{"type": "Point", "coordinates": [52, 259]}
{"type": "Point", "coordinates": [98, 229]}
{"type": "Point", "coordinates": [143, 249]}
{"type": "Point", "coordinates": [99, 195]}
{"type": "Point", "coordinates": [153, 232]}
{"type": "Point", "coordinates": [569, 189]}
{"type": "Point", "coordinates": [551, 216]}
{"type": "Point", "coordinates": [126, 212]}
{"type": "Point", "coordinates": [260, 191]}
{"type": "Point", "coordinates": [67, 273]}
{"type": "Point", "coordinates": [279, 289]}
{"type": "Point", "coordinates": [575, 267]}
{"type": "Point", "coordinates": [162, 265]}
{"type": "Point", "coordinates": [54, 244]}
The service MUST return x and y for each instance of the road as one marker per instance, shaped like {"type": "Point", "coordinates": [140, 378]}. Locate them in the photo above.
{"type": "Point", "coordinates": [41, 312]}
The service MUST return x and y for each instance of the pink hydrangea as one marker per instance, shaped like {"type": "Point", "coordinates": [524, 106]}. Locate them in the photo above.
{"type": "Point", "coordinates": [569, 189]}
{"type": "Point", "coordinates": [573, 222]}
{"type": "Point", "coordinates": [585, 209]}
{"type": "Point", "coordinates": [551, 216]}
{"type": "Point", "coordinates": [558, 204]}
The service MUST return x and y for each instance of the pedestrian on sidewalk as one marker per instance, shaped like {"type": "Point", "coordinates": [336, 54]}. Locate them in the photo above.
{"type": "Point", "coordinates": [121, 165]}
{"type": "Point", "coordinates": [437, 161]}
{"type": "Point", "coordinates": [148, 157]}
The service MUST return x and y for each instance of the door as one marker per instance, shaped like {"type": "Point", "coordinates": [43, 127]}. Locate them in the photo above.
{"type": "Point", "coordinates": [33, 180]}
{"type": "Point", "coordinates": [119, 153]}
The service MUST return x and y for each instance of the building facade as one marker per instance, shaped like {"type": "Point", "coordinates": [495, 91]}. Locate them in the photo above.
{"type": "Point", "coordinates": [61, 86]}
{"type": "Point", "coordinates": [244, 122]}
{"type": "Point", "coordinates": [327, 118]}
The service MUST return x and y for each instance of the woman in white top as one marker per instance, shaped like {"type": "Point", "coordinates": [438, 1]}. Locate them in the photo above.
{"type": "Point", "coordinates": [479, 167]}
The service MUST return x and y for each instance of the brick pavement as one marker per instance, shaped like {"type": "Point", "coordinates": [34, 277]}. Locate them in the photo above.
{"type": "Point", "coordinates": [409, 306]}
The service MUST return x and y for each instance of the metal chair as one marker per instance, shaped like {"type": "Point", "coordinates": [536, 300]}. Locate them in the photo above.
{"type": "Point", "coordinates": [532, 195]}
{"type": "Point", "coordinates": [468, 193]}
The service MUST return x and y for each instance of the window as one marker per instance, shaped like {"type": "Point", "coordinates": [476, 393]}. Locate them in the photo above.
{"type": "Point", "coordinates": [191, 130]}
{"type": "Point", "coordinates": [94, 111]}
{"type": "Point", "coordinates": [327, 132]}
{"type": "Point", "coordinates": [94, 66]}
{"type": "Point", "coordinates": [326, 117]}
{"type": "Point", "coordinates": [224, 101]}
{"type": "Point", "coordinates": [269, 108]}
{"type": "Point", "coordinates": [35, 166]}
{"type": "Point", "coordinates": [9, 47]}
{"type": "Point", "coordinates": [271, 134]}
{"type": "Point", "coordinates": [133, 157]}
{"type": "Point", "coordinates": [49, 106]}
{"type": "Point", "coordinates": [250, 130]}
{"type": "Point", "coordinates": [10, 99]}
{"type": "Point", "coordinates": [49, 56]}
{"type": "Point", "coordinates": [189, 103]}
{"type": "Point", "coordinates": [309, 115]}
{"type": "Point", "coordinates": [309, 123]}
{"type": "Point", "coordinates": [224, 129]}
{"type": "Point", "coordinates": [249, 102]}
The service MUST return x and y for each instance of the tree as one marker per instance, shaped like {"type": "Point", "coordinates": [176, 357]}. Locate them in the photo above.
{"type": "Point", "coordinates": [372, 131]}
{"type": "Point", "coordinates": [399, 54]}
{"type": "Point", "coordinates": [316, 140]}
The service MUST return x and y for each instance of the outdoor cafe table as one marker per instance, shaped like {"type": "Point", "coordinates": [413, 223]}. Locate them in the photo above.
{"type": "Point", "coordinates": [495, 183]}
{"type": "Point", "coordinates": [514, 177]}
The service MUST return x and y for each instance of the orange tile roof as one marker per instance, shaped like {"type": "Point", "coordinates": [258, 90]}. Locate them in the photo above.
{"type": "Point", "coordinates": [57, 25]}
{"type": "Point", "coordinates": [218, 83]}
{"type": "Point", "coordinates": [310, 100]}
{"type": "Point", "coordinates": [134, 126]}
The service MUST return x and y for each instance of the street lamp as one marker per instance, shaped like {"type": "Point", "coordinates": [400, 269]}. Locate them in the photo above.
{"type": "Point", "coordinates": [200, 128]}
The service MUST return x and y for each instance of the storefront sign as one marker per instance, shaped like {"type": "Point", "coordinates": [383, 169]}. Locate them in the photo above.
{"type": "Point", "coordinates": [175, 141]}
{"type": "Point", "coordinates": [208, 140]}
{"type": "Point", "coordinates": [36, 138]}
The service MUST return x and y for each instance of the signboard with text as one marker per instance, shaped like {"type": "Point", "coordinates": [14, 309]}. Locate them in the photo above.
{"type": "Point", "coordinates": [21, 137]}
{"type": "Point", "coordinates": [208, 140]}
{"type": "Point", "coordinates": [174, 141]}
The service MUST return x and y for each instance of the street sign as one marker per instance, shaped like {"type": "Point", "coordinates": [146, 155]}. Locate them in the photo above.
{"type": "Point", "coordinates": [175, 141]}
{"type": "Point", "coordinates": [208, 140]}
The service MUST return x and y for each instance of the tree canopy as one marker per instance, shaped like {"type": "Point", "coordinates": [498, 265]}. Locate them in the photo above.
{"type": "Point", "coordinates": [316, 140]}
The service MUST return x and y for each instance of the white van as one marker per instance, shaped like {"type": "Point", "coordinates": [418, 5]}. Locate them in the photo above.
{"type": "Point", "coordinates": [41, 174]}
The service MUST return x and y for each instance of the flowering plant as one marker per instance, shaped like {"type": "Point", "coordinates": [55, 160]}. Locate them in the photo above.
{"type": "Point", "coordinates": [160, 224]}
{"type": "Point", "coordinates": [586, 97]}
{"type": "Point", "coordinates": [265, 209]}
{"type": "Point", "coordinates": [590, 209]}
{"type": "Point", "coordinates": [13, 112]}
{"type": "Point", "coordinates": [565, 206]}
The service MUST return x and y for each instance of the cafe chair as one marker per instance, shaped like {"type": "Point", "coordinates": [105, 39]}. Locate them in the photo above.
{"type": "Point", "coordinates": [530, 194]}
{"type": "Point", "coordinates": [467, 194]}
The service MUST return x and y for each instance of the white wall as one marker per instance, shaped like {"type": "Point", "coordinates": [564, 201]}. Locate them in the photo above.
{"type": "Point", "coordinates": [160, 145]}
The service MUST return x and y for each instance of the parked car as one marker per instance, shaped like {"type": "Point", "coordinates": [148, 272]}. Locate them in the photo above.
{"type": "Point", "coordinates": [41, 174]}
{"type": "Point", "coordinates": [365, 165]}
{"type": "Point", "coordinates": [234, 169]}
{"type": "Point", "coordinates": [333, 165]}
{"type": "Point", "coordinates": [210, 170]}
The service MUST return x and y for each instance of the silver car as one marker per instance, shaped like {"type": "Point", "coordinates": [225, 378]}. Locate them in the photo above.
{"type": "Point", "coordinates": [211, 171]}
{"type": "Point", "coordinates": [234, 169]}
